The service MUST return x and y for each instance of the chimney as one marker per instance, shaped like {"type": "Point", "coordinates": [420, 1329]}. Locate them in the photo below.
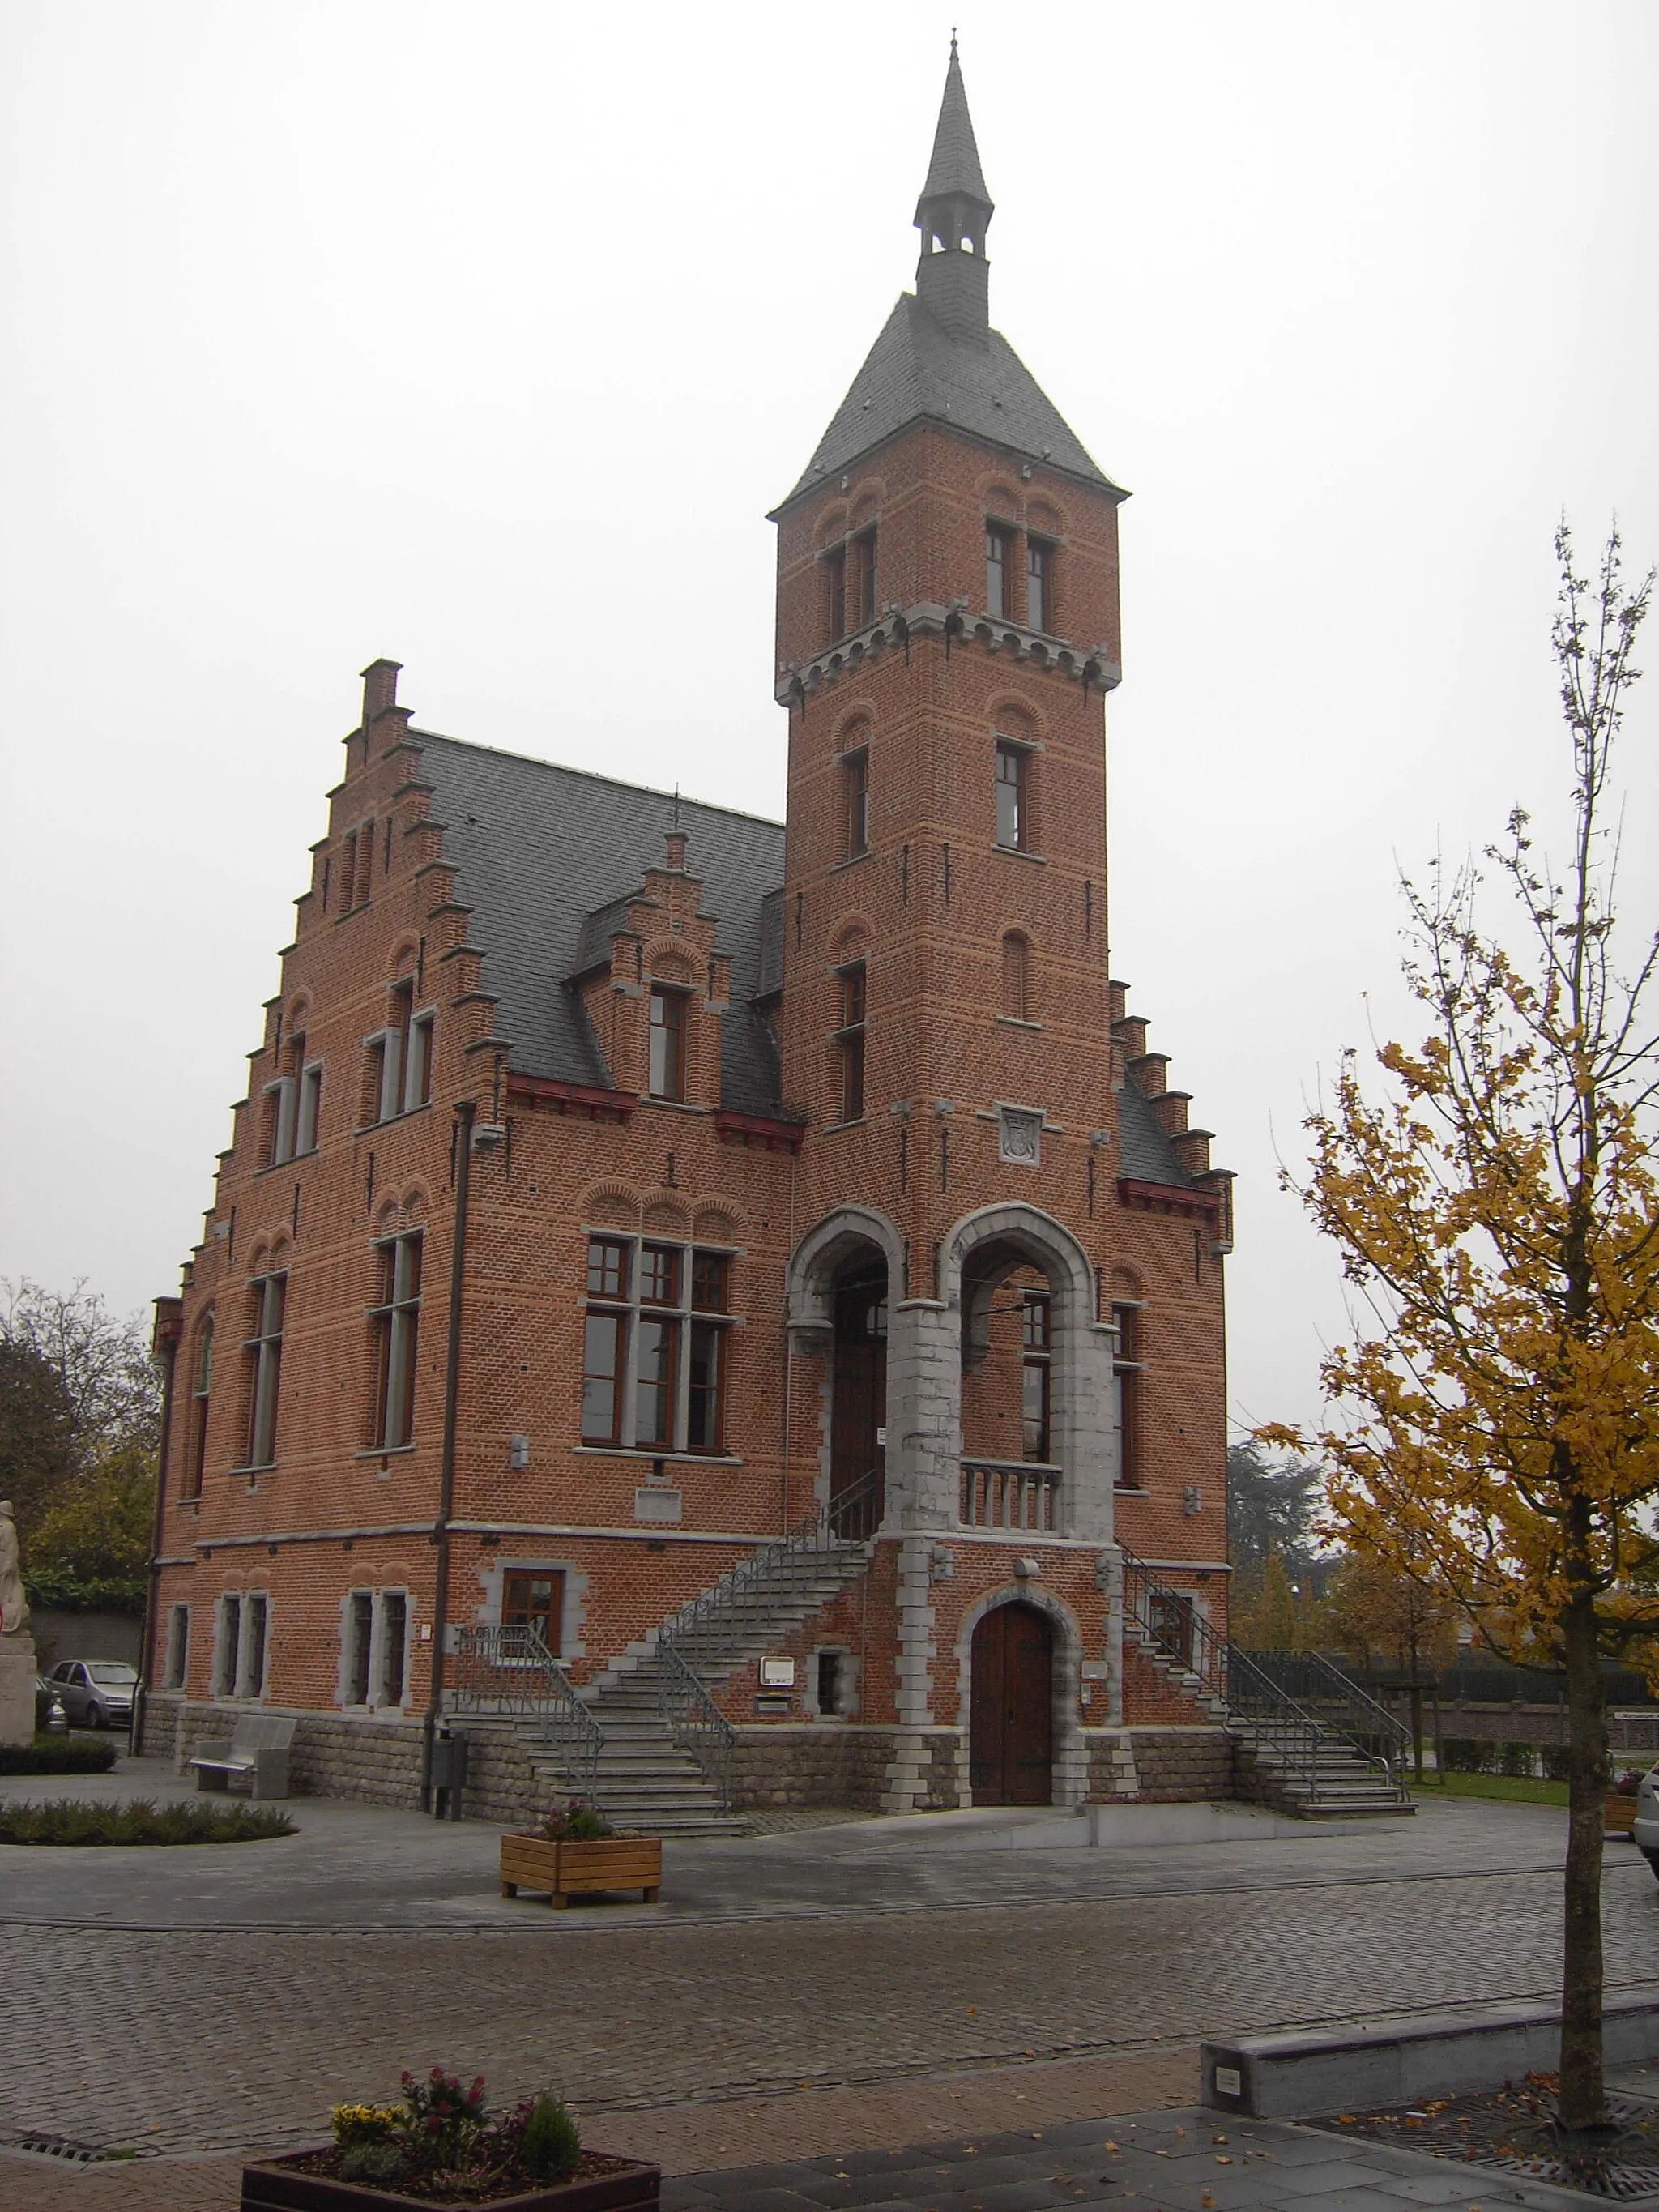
{"type": "Point", "coordinates": [380, 688]}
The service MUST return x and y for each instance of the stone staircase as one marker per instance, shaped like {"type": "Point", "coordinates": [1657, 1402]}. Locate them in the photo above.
{"type": "Point", "coordinates": [1289, 1759]}
{"type": "Point", "coordinates": [646, 1779]}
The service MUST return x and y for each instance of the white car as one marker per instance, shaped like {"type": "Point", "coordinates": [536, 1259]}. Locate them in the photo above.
{"type": "Point", "coordinates": [1646, 1828]}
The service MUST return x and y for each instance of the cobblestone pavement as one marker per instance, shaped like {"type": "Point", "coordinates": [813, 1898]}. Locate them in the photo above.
{"type": "Point", "coordinates": [222, 2038]}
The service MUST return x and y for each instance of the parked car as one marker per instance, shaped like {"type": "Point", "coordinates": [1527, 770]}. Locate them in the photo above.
{"type": "Point", "coordinates": [1646, 1828]}
{"type": "Point", "coordinates": [96, 1693]}
{"type": "Point", "coordinates": [48, 1706]}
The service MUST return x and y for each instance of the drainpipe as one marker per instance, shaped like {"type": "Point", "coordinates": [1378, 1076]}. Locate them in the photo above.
{"type": "Point", "coordinates": [465, 1115]}
{"type": "Point", "coordinates": [169, 1327]}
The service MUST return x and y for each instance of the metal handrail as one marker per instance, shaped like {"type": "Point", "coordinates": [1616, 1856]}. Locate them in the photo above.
{"type": "Point", "coordinates": [688, 1711]}
{"type": "Point", "coordinates": [509, 1673]}
{"type": "Point", "coordinates": [1246, 1688]}
{"type": "Point", "coordinates": [1325, 1691]}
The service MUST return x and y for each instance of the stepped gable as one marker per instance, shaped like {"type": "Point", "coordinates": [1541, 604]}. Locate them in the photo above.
{"type": "Point", "coordinates": [1154, 1143]}
{"type": "Point", "coordinates": [916, 371]}
{"type": "Point", "coordinates": [538, 851]}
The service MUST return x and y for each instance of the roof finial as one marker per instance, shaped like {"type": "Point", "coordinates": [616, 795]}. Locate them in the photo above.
{"type": "Point", "coordinates": [953, 214]}
{"type": "Point", "coordinates": [677, 806]}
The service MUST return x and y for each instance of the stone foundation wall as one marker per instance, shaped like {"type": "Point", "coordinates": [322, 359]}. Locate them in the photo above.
{"type": "Point", "coordinates": [1183, 1766]}
{"type": "Point", "coordinates": [787, 1766]}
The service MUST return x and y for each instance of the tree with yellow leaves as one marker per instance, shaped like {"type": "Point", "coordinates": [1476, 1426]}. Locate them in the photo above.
{"type": "Point", "coordinates": [1496, 1418]}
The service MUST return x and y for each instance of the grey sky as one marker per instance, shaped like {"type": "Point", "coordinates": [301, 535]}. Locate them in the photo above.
{"type": "Point", "coordinates": [483, 336]}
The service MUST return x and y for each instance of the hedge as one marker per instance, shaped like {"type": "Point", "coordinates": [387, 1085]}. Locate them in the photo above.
{"type": "Point", "coordinates": [87, 1820]}
{"type": "Point", "coordinates": [56, 1589]}
{"type": "Point", "coordinates": [57, 1755]}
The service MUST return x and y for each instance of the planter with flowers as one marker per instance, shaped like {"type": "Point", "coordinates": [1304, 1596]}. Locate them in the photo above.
{"type": "Point", "coordinates": [442, 2146]}
{"type": "Point", "coordinates": [1619, 1807]}
{"type": "Point", "coordinates": [576, 1853]}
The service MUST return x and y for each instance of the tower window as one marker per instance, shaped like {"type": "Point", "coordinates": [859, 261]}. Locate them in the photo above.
{"type": "Point", "coordinates": [1014, 808]}
{"type": "Point", "coordinates": [849, 1043]}
{"type": "Point", "coordinates": [201, 1394]}
{"type": "Point", "coordinates": [834, 591]}
{"type": "Point", "coordinates": [1016, 977]}
{"type": "Point", "coordinates": [667, 1043]}
{"type": "Point", "coordinates": [996, 572]}
{"type": "Point", "coordinates": [855, 775]}
{"type": "Point", "coordinates": [1038, 1356]}
{"type": "Point", "coordinates": [1126, 1367]}
{"type": "Point", "coordinates": [1039, 585]}
{"type": "Point", "coordinates": [864, 554]}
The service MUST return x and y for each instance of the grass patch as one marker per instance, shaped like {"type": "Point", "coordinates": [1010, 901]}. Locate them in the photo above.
{"type": "Point", "coordinates": [1514, 1789]}
{"type": "Point", "coordinates": [58, 1754]}
{"type": "Point", "coordinates": [66, 1820]}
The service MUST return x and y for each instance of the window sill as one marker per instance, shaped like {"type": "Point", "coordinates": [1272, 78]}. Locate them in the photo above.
{"type": "Point", "coordinates": [853, 860]}
{"type": "Point", "coordinates": [383, 1451]}
{"type": "Point", "coordinates": [276, 1167]}
{"type": "Point", "coordinates": [673, 1105]}
{"type": "Point", "coordinates": [1021, 852]}
{"type": "Point", "coordinates": [668, 1458]}
{"type": "Point", "coordinates": [1130, 1490]}
{"type": "Point", "coordinates": [264, 1466]}
{"type": "Point", "coordinates": [368, 1128]}
{"type": "Point", "coordinates": [830, 1127]}
{"type": "Point", "coordinates": [1016, 1022]}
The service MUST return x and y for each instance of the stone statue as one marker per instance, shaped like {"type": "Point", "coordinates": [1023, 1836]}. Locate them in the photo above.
{"type": "Point", "coordinates": [13, 1605]}
{"type": "Point", "coordinates": [17, 1644]}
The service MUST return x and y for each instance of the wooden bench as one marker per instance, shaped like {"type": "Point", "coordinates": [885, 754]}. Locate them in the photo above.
{"type": "Point", "coordinates": [259, 1749]}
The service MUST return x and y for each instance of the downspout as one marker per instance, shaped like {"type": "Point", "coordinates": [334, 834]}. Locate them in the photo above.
{"type": "Point", "coordinates": [464, 1114]}
{"type": "Point", "coordinates": [167, 1339]}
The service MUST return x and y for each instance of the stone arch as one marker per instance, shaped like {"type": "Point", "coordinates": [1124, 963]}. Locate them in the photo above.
{"type": "Point", "coordinates": [824, 1251]}
{"type": "Point", "coordinates": [975, 1256]}
{"type": "Point", "coordinates": [1070, 1755]}
{"type": "Point", "coordinates": [610, 1206]}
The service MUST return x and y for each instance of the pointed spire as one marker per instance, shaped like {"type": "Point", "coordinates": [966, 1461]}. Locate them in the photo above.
{"type": "Point", "coordinates": [954, 170]}
{"type": "Point", "coordinates": [953, 214]}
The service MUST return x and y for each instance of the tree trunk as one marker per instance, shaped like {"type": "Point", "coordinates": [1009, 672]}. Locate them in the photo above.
{"type": "Point", "coordinates": [1583, 2100]}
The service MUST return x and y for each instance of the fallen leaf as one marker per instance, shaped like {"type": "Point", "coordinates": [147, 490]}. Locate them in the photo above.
{"type": "Point", "coordinates": [1224, 2161]}
{"type": "Point", "coordinates": [1208, 2201]}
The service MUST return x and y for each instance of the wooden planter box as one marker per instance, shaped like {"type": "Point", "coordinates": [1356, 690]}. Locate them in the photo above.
{"type": "Point", "coordinates": [1619, 1813]}
{"type": "Point", "coordinates": [567, 1870]}
{"type": "Point", "coordinates": [275, 2186]}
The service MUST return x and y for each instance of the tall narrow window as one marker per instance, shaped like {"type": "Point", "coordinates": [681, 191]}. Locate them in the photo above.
{"type": "Point", "coordinates": [396, 1320]}
{"type": "Point", "coordinates": [996, 572]}
{"type": "Point", "coordinates": [394, 1648]}
{"type": "Point", "coordinates": [226, 1645]}
{"type": "Point", "coordinates": [394, 1045]}
{"type": "Point", "coordinates": [864, 552]}
{"type": "Point", "coordinates": [1127, 1369]}
{"type": "Point", "coordinates": [360, 1645]}
{"type": "Point", "coordinates": [365, 864]}
{"type": "Point", "coordinates": [417, 1063]}
{"type": "Point", "coordinates": [856, 774]}
{"type": "Point", "coordinates": [667, 1043]}
{"type": "Point", "coordinates": [1012, 808]}
{"type": "Point", "coordinates": [1016, 977]}
{"type": "Point", "coordinates": [280, 1103]}
{"type": "Point", "coordinates": [310, 1106]}
{"type": "Point", "coordinates": [849, 1043]}
{"type": "Point", "coordinates": [178, 1653]}
{"type": "Point", "coordinates": [201, 1395]}
{"type": "Point", "coordinates": [263, 1351]}
{"type": "Point", "coordinates": [834, 591]}
{"type": "Point", "coordinates": [348, 871]}
{"type": "Point", "coordinates": [1037, 1355]}
{"type": "Point", "coordinates": [1039, 585]}
{"type": "Point", "coordinates": [251, 1662]}
{"type": "Point", "coordinates": [657, 1363]}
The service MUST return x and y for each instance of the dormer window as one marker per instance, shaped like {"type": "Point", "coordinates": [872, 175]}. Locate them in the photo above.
{"type": "Point", "coordinates": [667, 1077]}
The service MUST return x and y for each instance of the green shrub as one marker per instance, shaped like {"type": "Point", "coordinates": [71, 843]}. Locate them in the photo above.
{"type": "Point", "coordinates": [1464, 1755]}
{"type": "Point", "coordinates": [551, 2143]}
{"type": "Point", "coordinates": [72, 1821]}
{"type": "Point", "coordinates": [576, 1823]}
{"type": "Point", "coordinates": [1556, 1760]}
{"type": "Point", "coordinates": [57, 1755]}
{"type": "Point", "coordinates": [1516, 1759]}
{"type": "Point", "coordinates": [371, 2162]}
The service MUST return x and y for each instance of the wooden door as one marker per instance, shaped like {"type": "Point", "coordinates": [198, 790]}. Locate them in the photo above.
{"type": "Point", "coordinates": [1011, 1720]}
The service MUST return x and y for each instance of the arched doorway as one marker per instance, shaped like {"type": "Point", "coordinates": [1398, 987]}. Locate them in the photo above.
{"type": "Point", "coordinates": [857, 1405]}
{"type": "Point", "coordinates": [1011, 1713]}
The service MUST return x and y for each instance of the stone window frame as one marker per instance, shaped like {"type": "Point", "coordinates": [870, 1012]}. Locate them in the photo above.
{"type": "Point", "coordinates": [398, 1058]}
{"type": "Point", "coordinates": [175, 1658]}
{"type": "Point", "coordinates": [1070, 1754]}
{"type": "Point", "coordinates": [372, 1662]}
{"type": "Point", "coordinates": [198, 1406]}
{"type": "Point", "coordinates": [493, 1571]}
{"type": "Point", "coordinates": [235, 1650]}
{"type": "Point", "coordinates": [1128, 1396]}
{"type": "Point", "coordinates": [262, 1357]}
{"type": "Point", "coordinates": [848, 1668]}
{"type": "Point", "coordinates": [394, 1322]}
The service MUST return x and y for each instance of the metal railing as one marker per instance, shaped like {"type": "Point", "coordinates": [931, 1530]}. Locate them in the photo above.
{"type": "Point", "coordinates": [1001, 1493]}
{"type": "Point", "coordinates": [1339, 1704]}
{"type": "Point", "coordinates": [509, 1673]}
{"type": "Point", "coordinates": [1245, 1686]}
{"type": "Point", "coordinates": [689, 1712]}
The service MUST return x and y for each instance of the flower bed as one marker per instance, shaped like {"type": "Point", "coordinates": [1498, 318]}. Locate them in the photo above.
{"type": "Point", "coordinates": [57, 1755]}
{"type": "Point", "coordinates": [90, 1821]}
{"type": "Point", "coordinates": [442, 2147]}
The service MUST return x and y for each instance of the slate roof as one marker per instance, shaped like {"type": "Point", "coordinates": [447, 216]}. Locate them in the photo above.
{"type": "Point", "coordinates": [955, 165]}
{"type": "Point", "coordinates": [916, 371]}
{"type": "Point", "coordinates": [1145, 1154]}
{"type": "Point", "coordinates": [542, 853]}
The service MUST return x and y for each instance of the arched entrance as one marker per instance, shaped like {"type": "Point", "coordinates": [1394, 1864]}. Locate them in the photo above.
{"type": "Point", "coordinates": [858, 1404]}
{"type": "Point", "coordinates": [1011, 1711]}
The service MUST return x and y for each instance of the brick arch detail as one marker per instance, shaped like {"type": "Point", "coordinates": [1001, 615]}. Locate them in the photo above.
{"type": "Point", "coordinates": [1045, 514]}
{"type": "Point", "coordinates": [720, 1220]}
{"type": "Point", "coordinates": [403, 958]}
{"type": "Point", "coordinates": [1014, 708]}
{"type": "Point", "coordinates": [868, 497]}
{"type": "Point", "coordinates": [609, 1205]}
{"type": "Point", "coordinates": [1070, 1756]}
{"type": "Point", "coordinates": [671, 960]}
{"type": "Point", "coordinates": [850, 937]}
{"type": "Point", "coordinates": [298, 1013]}
{"type": "Point", "coordinates": [831, 525]}
{"type": "Point", "coordinates": [667, 1218]}
{"type": "Point", "coordinates": [855, 711]}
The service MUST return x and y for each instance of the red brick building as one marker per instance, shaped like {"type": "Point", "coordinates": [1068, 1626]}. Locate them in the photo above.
{"type": "Point", "coordinates": [702, 1305]}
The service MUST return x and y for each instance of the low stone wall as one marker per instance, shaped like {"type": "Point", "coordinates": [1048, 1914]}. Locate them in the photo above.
{"type": "Point", "coordinates": [372, 1762]}
{"type": "Point", "coordinates": [784, 1767]}
{"type": "Point", "coordinates": [1179, 1765]}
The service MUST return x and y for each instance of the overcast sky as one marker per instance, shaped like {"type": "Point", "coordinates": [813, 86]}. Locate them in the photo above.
{"type": "Point", "coordinates": [483, 336]}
